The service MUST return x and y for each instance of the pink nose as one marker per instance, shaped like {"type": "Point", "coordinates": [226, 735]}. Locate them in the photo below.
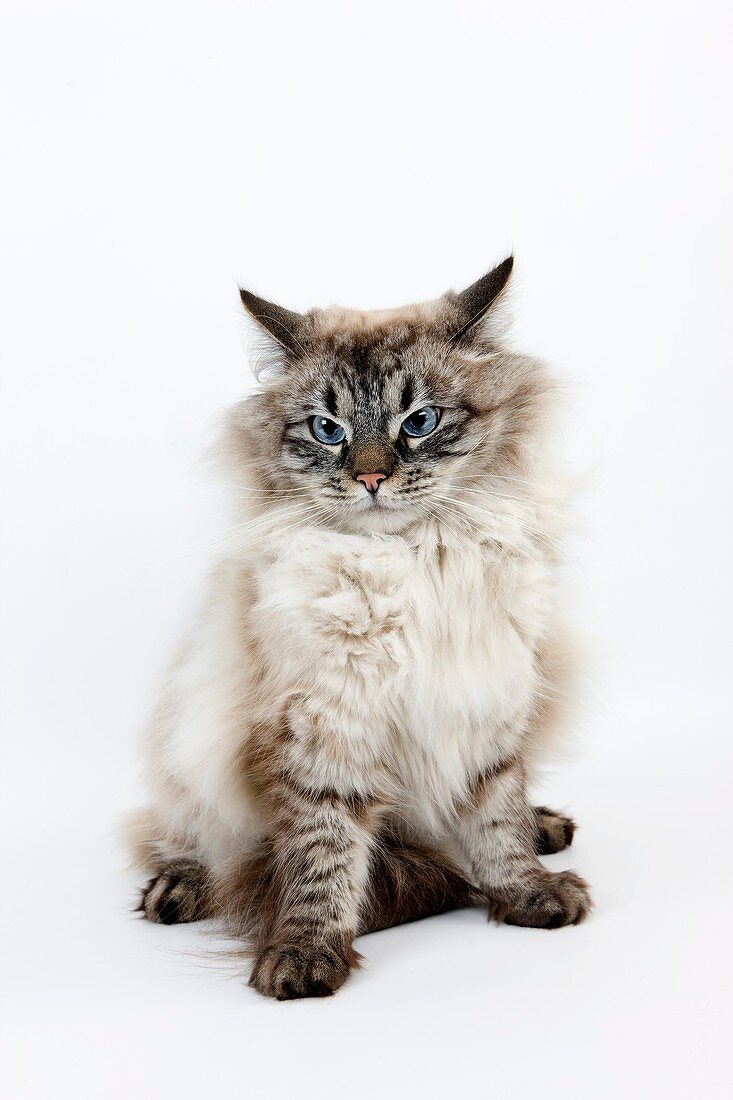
{"type": "Point", "coordinates": [371, 480]}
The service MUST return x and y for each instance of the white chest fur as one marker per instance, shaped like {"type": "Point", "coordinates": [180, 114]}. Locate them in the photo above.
{"type": "Point", "coordinates": [423, 648]}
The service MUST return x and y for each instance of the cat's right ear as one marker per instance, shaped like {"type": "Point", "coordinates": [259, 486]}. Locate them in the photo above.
{"type": "Point", "coordinates": [476, 302]}
{"type": "Point", "coordinates": [283, 325]}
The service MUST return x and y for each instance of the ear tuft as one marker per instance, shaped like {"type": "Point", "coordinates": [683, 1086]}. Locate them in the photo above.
{"type": "Point", "coordinates": [284, 325]}
{"type": "Point", "coordinates": [475, 301]}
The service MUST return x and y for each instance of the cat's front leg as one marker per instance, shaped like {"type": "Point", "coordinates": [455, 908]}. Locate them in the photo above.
{"type": "Point", "coordinates": [497, 833]}
{"type": "Point", "coordinates": [322, 847]}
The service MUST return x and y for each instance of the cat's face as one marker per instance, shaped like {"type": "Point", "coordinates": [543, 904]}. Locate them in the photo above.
{"type": "Point", "coordinates": [373, 424]}
{"type": "Point", "coordinates": [378, 418]}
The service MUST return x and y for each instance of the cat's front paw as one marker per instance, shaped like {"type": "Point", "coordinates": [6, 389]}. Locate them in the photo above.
{"type": "Point", "coordinates": [552, 901]}
{"type": "Point", "coordinates": [288, 971]}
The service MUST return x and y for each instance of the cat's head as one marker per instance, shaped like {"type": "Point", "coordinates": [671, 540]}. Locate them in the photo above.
{"type": "Point", "coordinates": [376, 418]}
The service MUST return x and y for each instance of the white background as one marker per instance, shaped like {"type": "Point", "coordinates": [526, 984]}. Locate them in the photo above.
{"type": "Point", "coordinates": [154, 155]}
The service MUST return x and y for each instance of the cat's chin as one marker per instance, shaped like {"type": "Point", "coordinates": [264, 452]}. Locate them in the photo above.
{"type": "Point", "coordinates": [378, 519]}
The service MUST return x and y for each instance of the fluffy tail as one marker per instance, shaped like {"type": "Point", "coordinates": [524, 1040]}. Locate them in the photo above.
{"type": "Point", "coordinates": [406, 883]}
{"type": "Point", "coordinates": [410, 882]}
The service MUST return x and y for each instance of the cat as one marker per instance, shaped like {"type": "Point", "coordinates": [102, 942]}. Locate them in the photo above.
{"type": "Point", "coordinates": [345, 739]}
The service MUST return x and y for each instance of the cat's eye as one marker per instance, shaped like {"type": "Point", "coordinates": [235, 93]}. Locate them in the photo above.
{"type": "Point", "coordinates": [326, 431]}
{"type": "Point", "coordinates": [421, 422]}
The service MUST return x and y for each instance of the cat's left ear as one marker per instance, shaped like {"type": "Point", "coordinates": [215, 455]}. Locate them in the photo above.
{"type": "Point", "coordinates": [471, 305]}
{"type": "Point", "coordinates": [283, 325]}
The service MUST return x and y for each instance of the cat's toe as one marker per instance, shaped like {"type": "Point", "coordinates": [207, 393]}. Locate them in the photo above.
{"type": "Point", "coordinates": [553, 901]}
{"type": "Point", "coordinates": [290, 971]}
{"type": "Point", "coordinates": [554, 831]}
{"type": "Point", "coordinates": [176, 896]}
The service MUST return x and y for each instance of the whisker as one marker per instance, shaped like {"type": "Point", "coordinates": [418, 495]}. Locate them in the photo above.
{"type": "Point", "coordinates": [243, 531]}
{"type": "Point", "coordinates": [532, 530]}
{"type": "Point", "coordinates": [254, 489]}
{"type": "Point", "coordinates": [534, 505]}
{"type": "Point", "coordinates": [202, 545]}
{"type": "Point", "coordinates": [485, 435]}
{"type": "Point", "coordinates": [440, 519]}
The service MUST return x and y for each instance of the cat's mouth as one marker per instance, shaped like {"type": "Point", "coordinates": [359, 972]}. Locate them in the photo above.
{"type": "Point", "coordinates": [388, 510]}
{"type": "Point", "coordinates": [375, 502]}
{"type": "Point", "coordinates": [380, 509]}
{"type": "Point", "coordinates": [386, 500]}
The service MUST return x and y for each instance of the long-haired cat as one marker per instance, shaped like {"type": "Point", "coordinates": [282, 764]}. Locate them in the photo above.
{"type": "Point", "coordinates": [345, 738]}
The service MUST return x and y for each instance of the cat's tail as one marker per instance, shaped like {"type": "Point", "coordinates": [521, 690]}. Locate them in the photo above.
{"type": "Point", "coordinates": [406, 883]}
{"type": "Point", "coordinates": [409, 882]}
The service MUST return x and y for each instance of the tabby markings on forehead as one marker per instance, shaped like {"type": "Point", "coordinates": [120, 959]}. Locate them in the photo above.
{"type": "Point", "coordinates": [329, 401]}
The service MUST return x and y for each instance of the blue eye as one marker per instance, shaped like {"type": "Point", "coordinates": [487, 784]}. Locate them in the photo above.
{"type": "Point", "coordinates": [326, 431]}
{"type": "Point", "coordinates": [421, 422]}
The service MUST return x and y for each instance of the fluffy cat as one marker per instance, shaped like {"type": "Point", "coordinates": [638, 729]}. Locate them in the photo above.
{"type": "Point", "coordinates": [345, 739]}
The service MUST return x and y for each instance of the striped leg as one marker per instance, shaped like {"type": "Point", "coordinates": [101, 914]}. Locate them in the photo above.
{"type": "Point", "coordinates": [497, 832]}
{"type": "Point", "coordinates": [322, 849]}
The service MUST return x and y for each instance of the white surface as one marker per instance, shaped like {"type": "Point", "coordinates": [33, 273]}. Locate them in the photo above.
{"type": "Point", "coordinates": [154, 155]}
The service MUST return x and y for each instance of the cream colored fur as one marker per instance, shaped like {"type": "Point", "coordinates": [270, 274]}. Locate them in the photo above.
{"type": "Point", "coordinates": [419, 649]}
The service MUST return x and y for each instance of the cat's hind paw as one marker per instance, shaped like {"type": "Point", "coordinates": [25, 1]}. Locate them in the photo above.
{"type": "Point", "coordinates": [554, 832]}
{"type": "Point", "coordinates": [177, 895]}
